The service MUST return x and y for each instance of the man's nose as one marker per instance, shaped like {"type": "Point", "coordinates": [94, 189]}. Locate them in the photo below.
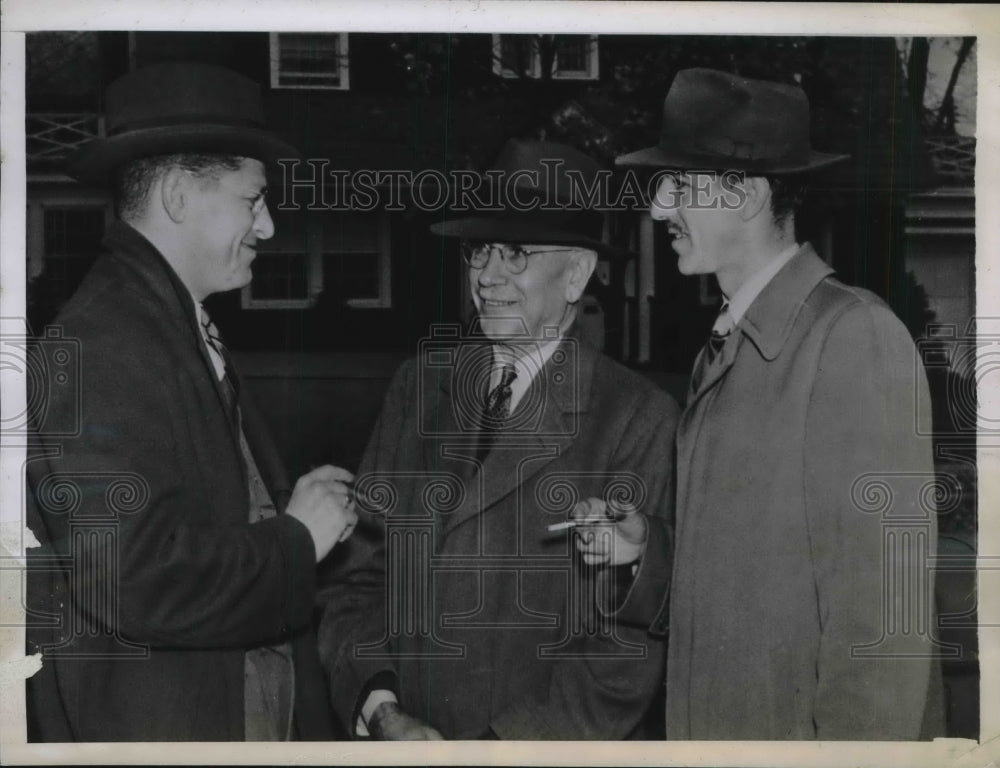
{"type": "Point", "coordinates": [493, 271]}
{"type": "Point", "coordinates": [663, 206]}
{"type": "Point", "coordinates": [263, 224]}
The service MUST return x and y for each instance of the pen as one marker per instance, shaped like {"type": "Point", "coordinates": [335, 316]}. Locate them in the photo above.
{"type": "Point", "coordinates": [614, 518]}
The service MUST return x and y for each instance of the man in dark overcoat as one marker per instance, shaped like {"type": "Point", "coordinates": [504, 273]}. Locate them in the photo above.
{"type": "Point", "coordinates": [176, 575]}
{"type": "Point", "coordinates": [801, 604]}
{"type": "Point", "coordinates": [459, 611]}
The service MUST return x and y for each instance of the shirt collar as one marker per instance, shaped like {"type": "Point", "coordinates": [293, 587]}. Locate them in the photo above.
{"type": "Point", "coordinates": [527, 366]}
{"type": "Point", "coordinates": [745, 295]}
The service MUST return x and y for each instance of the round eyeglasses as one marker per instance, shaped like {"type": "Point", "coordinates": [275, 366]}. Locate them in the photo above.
{"type": "Point", "coordinates": [514, 257]}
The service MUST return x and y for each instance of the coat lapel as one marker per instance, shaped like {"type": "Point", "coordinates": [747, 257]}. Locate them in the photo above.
{"type": "Point", "coordinates": [769, 319]}
{"type": "Point", "coordinates": [543, 426]}
{"type": "Point", "coordinates": [766, 327]}
{"type": "Point", "coordinates": [710, 373]}
{"type": "Point", "coordinates": [175, 302]}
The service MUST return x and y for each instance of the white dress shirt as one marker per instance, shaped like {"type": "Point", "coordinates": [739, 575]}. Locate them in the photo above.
{"type": "Point", "coordinates": [528, 363]}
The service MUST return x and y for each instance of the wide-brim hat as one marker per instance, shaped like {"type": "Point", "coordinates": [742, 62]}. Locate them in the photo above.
{"type": "Point", "coordinates": [541, 186]}
{"type": "Point", "coordinates": [179, 107]}
{"type": "Point", "coordinates": [717, 121]}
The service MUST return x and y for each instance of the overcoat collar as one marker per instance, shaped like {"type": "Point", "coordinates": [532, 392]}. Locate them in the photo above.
{"type": "Point", "coordinates": [550, 412]}
{"type": "Point", "coordinates": [768, 321]}
{"type": "Point", "coordinates": [176, 304]}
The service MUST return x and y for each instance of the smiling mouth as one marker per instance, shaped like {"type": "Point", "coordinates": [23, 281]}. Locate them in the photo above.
{"type": "Point", "coordinates": [494, 303]}
{"type": "Point", "coordinates": [676, 232]}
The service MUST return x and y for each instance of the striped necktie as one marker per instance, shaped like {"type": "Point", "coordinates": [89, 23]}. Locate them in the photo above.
{"type": "Point", "coordinates": [220, 359]}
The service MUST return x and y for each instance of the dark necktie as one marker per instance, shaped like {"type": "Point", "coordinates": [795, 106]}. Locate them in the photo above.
{"type": "Point", "coordinates": [721, 331]}
{"type": "Point", "coordinates": [496, 410]}
{"type": "Point", "coordinates": [498, 399]}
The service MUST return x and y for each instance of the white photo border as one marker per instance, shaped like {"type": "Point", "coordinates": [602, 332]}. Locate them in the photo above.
{"type": "Point", "coordinates": [511, 16]}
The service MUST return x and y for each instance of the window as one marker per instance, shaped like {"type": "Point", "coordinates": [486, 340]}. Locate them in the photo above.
{"type": "Point", "coordinates": [281, 279]}
{"type": "Point", "coordinates": [309, 60]}
{"type": "Point", "coordinates": [515, 55]}
{"type": "Point", "coordinates": [574, 57]}
{"type": "Point", "coordinates": [356, 258]}
{"type": "Point", "coordinates": [64, 240]}
{"type": "Point", "coordinates": [341, 255]}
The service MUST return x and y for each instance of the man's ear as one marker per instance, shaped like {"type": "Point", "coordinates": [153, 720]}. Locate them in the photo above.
{"type": "Point", "coordinates": [174, 193]}
{"type": "Point", "coordinates": [581, 267]}
{"type": "Point", "coordinates": [757, 197]}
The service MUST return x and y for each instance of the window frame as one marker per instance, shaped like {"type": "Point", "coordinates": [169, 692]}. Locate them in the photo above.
{"type": "Point", "coordinates": [316, 280]}
{"type": "Point", "coordinates": [534, 71]}
{"type": "Point", "coordinates": [343, 63]}
{"type": "Point", "coordinates": [593, 67]}
{"type": "Point", "coordinates": [592, 72]}
{"type": "Point", "coordinates": [36, 207]}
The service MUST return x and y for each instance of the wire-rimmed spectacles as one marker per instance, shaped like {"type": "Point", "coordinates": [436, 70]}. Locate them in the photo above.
{"type": "Point", "coordinates": [514, 257]}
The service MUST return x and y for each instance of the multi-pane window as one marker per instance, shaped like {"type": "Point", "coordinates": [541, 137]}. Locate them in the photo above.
{"type": "Point", "coordinates": [353, 248]}
{"type": "Point", "coordinates": [342, 255]}
{"type": "Point", "coordinates": [72, 241]}
{"type": "Point", "coordinates": [63, 243]}
{"type": "Point", "coordinates": [572, 54]}
{"type": "Point", "coordinates": [309, 60]}
{"type": "Point", "coordinates": [573, 57]}
{"type": "Point", "coordinates": [518, 55]}
{"type": "Point", "coordinates": [281, 277]}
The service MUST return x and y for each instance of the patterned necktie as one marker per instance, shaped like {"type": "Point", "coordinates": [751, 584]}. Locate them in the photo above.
{"type": "Point", "coordinates": [498, 400]}
{"type": "Point", "coordinates": [220, 359]}
{"type": "Point", "coordinates": [496, 411]}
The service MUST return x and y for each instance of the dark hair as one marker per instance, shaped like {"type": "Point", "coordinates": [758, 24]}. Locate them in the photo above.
{"type": "Point", "coordinates": [134, 180]}
{"type": "Point", "coordinates": [787, 194]}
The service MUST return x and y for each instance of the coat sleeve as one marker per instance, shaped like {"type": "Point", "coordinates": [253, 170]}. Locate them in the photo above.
{"type": "Point", "coordinates": [184, 574]}
{"type": "Point", "coordinates": [641, 600]}
{"type": "Point", "coordinates": [604, 693]}
{"type": "Point", "coordinates": [871, 529]}
{"type": "Point", "coordinates": [352, 595]}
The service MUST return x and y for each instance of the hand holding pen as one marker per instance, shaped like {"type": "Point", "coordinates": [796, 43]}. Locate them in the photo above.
{"type": "Point", "coordinates": [606, 533]}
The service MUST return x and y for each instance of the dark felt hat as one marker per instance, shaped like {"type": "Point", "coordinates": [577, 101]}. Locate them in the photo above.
{"type": "Point", "coordinates": [541, 184]}
{"type": "Point", "coordinates": [716, 121]}
{"type": "Point", "coordinates": [179, 107]}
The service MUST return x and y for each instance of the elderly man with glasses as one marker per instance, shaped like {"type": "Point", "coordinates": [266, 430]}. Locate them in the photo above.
{"type": "Point", "coordinates": [461, 608]}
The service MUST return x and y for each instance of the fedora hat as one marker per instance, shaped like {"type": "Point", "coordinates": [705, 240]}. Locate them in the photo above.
{"type": "Point", "coordinates": [178, 107]}
{"type": "Point", "coordinates": [541, 200]}
{"type": "Point", "coordinates": [717, 121]}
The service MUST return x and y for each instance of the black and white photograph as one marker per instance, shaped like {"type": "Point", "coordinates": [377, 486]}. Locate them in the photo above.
{"type": "Point", "coordinates": [614, 381]}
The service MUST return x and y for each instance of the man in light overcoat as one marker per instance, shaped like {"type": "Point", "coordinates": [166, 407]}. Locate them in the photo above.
{"type": "Point", "coordinates": [801, 604]}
